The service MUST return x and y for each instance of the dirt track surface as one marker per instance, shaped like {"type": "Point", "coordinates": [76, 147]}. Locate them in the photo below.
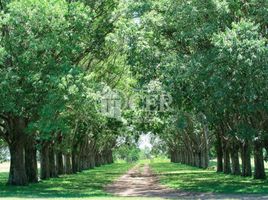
{"type": "Point", "coordinates": [141, 182]}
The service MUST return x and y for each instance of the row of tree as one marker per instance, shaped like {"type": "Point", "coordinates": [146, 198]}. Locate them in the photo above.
{"type": "Point", "coordinates": [55, 57]}
{"type": "Point", "coordinates": [191, 144]}
{"type": "Point", "coordinates": [211, 56]}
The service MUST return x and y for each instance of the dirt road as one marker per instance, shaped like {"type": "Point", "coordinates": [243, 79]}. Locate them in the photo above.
{"type": "Point", "coordinates": [141, 182]}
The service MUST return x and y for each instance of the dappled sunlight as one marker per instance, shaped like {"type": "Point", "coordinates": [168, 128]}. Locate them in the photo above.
{"type": "Point", "coordinates": [85, 184]}
{"type": "Point", "coordinates": [112, 98]}
{"type": "Point", "coordinates": [187, 178]}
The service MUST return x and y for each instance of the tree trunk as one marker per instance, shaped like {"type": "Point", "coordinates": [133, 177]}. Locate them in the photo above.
{"type": "Point", "coordinates": [60, 165]}
{"type": "Point", "coordinates": [92, 160]}
{"type": "Point", "coordinates": [17, 173]}
{"type": "Point", "coordinates": [44, 154]}
{"type": "Point", "coordinates": [31, 160]}
{"type": "Point", "coordinates": [79, 163]}
{"type": "Point", "coordinates": [259, 172]}
{"type": "Point", "coordinates": [68, 164]}
{"type": "Point", "coordinates": [205, 150]}
{"type": "Point", "coordinates": [86, 156]}
{"type": "Point", "coordinates": [219, 154]}
{"type": "Point", "coordinates": [175, 156]}
{"type": "Point", "coordinates": [101, 159]}
{"type": "Point", "coordinates": [81, 158]}
{"type": "Point", "coordinates": [183, 161]}
{"type": "Point", "coordinates": [97, 160]}
{"type": "Point", "coordinates": [110, 157]}
{"type": "Point", "coordinates": [52, 163]}
{"type": "Point", "coordinates": [74, 162]}
{"type": "Point", "coordinates": [198, 158]}
{"type": "Point", "coordinates": [227, 165]}
{"type": "Point", "coordinates": [246, 159]}
{"type": "Point", "coordinates": [234, 149]}
{"type": "Point", "coordinates": [235, 162]}
{"type": "Point", "coordinates": [205, 159]}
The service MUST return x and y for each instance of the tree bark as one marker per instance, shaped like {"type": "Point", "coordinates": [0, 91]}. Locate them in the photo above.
{"type": "Point", "coordinates": [235, 162]}
{"type": "Point", "coordinates": [74, 162]}
{"type": "Point", "coordinates": [52, 163]}
{"type": "Point", "coordinates": [227, 165]}
{"type": "Point", "coordinates": [68, 164]}
{"type": "Point", "coordinates": [205, 159]}
{"type": "Point", "coordinates": [79, 162]}
{"type": "Point", "coordinates": [175, 156]}
{"type": "Point", "coordinates": [81, 157]}
{"type": "Point", "coordinates": [110, 157]}
{"type": "Point", "coordinates": [259, 172]}
{"type": "Point", "coordinates": [97, 159]}
{"type": "Point", "coordinates": [17, 173]}
{"type": "Point", "coordinates": [60, 165]}
{"type": "Point", "coordinates": [235, 159]}
{"type": "Point", "coordinates": [219, 154]}
{"type": "Point", "coordinates": [246, 159]}
{"type": "Point", "coordinates": [44, 153]}
{"type": "Point", "coordinates": [92, 160]}
{"type": "Point", "coordinates": [200, 160]}
{"type": "Point", "coordinates": [31, 160]}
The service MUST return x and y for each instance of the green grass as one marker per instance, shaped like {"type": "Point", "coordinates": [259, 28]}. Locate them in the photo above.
{"type": "Point", "coordinates": [81, 185]}
{"type": "Point", "coordinates": [89, 184]}
{"type": "Point", "coordinates": [187, 178]}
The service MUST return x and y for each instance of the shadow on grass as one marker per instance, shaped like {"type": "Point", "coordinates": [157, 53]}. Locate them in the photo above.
{"type": "Point", "coordinates": [187, 178]}
{"type": "Point", "coordinates": [85, 184]}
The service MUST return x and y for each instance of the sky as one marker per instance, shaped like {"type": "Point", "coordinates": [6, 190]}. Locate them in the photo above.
{"type": "Point", "coordinates": [144, 141]}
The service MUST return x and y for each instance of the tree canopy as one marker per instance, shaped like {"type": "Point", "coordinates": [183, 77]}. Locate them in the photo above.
{"type": "Point", "coordinates": [78, 76]}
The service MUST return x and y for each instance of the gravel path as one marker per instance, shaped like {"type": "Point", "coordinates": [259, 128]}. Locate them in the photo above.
{"type": "Point", "coordinates": [141, 182]}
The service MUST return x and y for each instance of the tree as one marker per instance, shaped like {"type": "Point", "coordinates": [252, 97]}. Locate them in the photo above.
{"type": "Point", "coordinates": [43, 46]}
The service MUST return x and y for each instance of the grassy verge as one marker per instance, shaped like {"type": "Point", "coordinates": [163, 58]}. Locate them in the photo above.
{"type": "Point", "coordinates": [187, 178]}
{"type": "Point", "coordinates": [87, 184]}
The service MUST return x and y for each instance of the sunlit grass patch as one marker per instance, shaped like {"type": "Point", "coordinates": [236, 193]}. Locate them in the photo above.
{"type": "Point", "coordinates": [86, 184]}
{"type": "Point", "coordinates": [188, 178]}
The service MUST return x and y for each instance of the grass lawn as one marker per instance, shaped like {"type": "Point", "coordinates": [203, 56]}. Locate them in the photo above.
{"type": "Point", "coordinates": [197, 180]}
{"type": "Point", "coordinates": [87, 184]}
